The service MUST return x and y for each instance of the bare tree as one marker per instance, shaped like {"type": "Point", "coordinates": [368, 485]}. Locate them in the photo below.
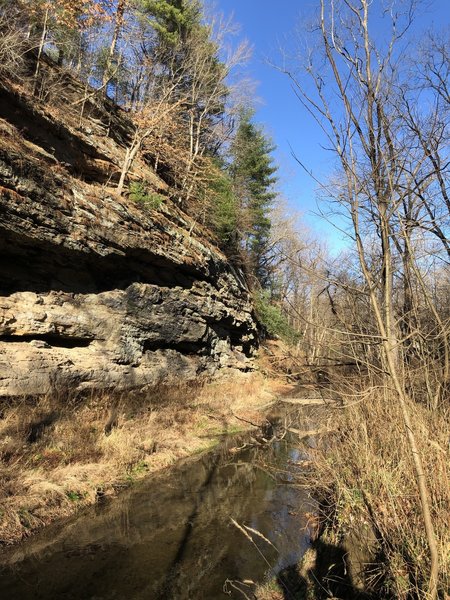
{"type": "Point", "coordinates": [427, 126]}
{"type": "Point", "coordinates": [155, 118]}
{"type": "Point", "coordinates": [112, 56]}
{"type": "Point", "coordinates": [354, 100]}
{"type": "Point", "coordinates": [183, 103]}
{"type": "Point", "coordinates": [13, 44]}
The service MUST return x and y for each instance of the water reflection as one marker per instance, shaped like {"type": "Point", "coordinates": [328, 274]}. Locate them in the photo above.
{"type": "Point", "coordinates": [171, 537]}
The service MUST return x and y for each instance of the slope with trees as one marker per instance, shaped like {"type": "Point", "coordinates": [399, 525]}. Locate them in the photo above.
{"type": "Point", "coordinates": [163, 62]}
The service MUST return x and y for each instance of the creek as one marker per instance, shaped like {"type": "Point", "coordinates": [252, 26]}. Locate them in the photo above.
{"type": "Point", "coordinates": [195, 531]}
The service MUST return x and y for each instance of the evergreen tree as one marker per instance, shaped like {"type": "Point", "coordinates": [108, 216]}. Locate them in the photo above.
{"type": "Point", "coordinates": [173, 20]}
{"type": "Point", "coordinates": [252, 172]}
{"type": "Point", "coordinates": [224, 210]}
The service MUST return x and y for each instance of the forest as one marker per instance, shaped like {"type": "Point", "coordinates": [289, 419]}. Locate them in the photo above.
{"type": "Point", "coordinates": [379, 309]}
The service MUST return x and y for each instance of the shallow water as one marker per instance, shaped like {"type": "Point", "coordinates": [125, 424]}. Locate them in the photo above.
{"type": "Point", "coordinates": [171, 537]}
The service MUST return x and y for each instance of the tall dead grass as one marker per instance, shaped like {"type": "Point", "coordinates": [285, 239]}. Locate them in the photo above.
{"type": "Point", "coordinates": [368, 473]}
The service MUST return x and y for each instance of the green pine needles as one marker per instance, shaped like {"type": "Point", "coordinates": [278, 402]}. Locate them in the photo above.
{"type": "Point", "coordinates": [274, 319]}
{"type": "Point", "coordinates": [138, 192]}
{"type": "Point", "coordinates": [173, 19]}
{"type": "Point", "coordinates": [253, 175]}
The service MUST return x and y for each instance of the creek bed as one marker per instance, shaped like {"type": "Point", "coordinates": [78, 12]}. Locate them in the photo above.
{"type": "Point", "coordinates": [172, 536]}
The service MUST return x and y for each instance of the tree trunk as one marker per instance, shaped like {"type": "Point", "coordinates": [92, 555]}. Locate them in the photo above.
{"type": "Point", "coordinates": [118, 24]}
{"type": "Point", "coordinates": [41, 49]}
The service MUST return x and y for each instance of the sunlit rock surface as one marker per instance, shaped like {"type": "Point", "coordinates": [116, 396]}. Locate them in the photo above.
{"type": "Point", "coordinates": [96, 292]}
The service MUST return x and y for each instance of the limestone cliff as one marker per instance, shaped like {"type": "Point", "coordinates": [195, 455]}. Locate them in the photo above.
{"type": "Point", "coordinates": [96, 292]}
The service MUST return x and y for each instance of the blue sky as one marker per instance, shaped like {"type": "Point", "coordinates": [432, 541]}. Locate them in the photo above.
{"type": "Point", "coordinates": [269, 25]}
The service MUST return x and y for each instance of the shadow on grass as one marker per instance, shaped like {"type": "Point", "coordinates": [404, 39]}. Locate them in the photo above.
{"type": "Point", "coordinates": [327, 578]}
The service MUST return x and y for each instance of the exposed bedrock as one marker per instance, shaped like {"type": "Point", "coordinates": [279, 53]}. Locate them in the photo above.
{"type": "Point", "coordinates": [96, 292]}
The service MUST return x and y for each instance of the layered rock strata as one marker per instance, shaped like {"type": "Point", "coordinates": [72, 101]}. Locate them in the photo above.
{"type": "Point", "coordinates": [96, 292]}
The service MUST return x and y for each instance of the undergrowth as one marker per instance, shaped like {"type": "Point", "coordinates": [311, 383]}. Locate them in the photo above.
{"type": "Point", "coordinates": [367, 475]}
{"type": "Point", "coordinates": [139, 193]}
{"type": "Point", "coordinates": [274, 320]}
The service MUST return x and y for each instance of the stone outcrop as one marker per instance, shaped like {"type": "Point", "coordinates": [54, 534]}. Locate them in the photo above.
{"type": "Point", "coordinates": [96, 292]}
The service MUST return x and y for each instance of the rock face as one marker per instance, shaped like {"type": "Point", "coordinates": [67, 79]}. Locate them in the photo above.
{"type": "Point", "coordinates": [96, 292]}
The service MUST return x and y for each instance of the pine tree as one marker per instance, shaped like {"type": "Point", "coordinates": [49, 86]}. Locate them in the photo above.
{"type": "Point", "coordinates": [173, 20]}
{"type": "Point", "coordinates": [224, 210]}
{"type": "Point", "coordinates": [252, 171]}
{"type": "Point", "coordinates": [186, 52]}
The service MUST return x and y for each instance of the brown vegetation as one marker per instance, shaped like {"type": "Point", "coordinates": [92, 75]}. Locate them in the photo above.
{"type": "Point", "coordinates": [59, 454]}
{"type": "Point", "coordinates": [368, 474]}
{"type": "Point", "coordinates": [382, 306]}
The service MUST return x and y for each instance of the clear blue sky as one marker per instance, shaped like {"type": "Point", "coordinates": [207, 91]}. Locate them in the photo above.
{"type": "Point", "coordinates": [269, 25]}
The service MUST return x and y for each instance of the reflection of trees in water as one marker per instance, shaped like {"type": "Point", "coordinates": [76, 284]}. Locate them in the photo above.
{"type": "Point", "coordinates": [175, 570]}
{"type": "Point", "coordinates": [169, 537]}
{"type": "Point", "coordinates": [209, 545]}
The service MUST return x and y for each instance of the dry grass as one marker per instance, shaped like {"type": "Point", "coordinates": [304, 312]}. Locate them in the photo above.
{"type": "Point", "coordinates": [367, 471]}
{"type": "Point", "coordinates": [59, 454]}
